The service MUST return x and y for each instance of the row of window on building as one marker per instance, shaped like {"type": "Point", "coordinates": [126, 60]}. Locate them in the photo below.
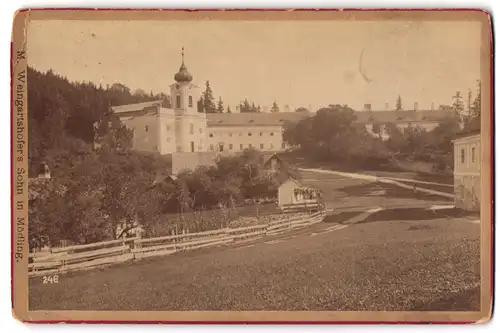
{"type": "Point", "coordinates": [241, 134]}
{"type": "Point", "coordinates": [192, 131]}
{"type": "Point", "coordinates": [473, 157]}
{"type": "Point", "coordinates": [221, 147]}
{"type": "Point", "coordinates": [167, 127]}
{"type": "Point", "coordinates": [178, 101]}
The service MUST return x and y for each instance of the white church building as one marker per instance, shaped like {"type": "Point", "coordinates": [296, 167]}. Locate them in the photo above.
{"type": "Point", "coordinates": [182, 129]}
{"type": "Point", "coordinates": [166, 130]}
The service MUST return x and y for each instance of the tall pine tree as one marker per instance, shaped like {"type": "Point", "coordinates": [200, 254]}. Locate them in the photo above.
{"type": "Point", "coordinates": [275, 107]}
{"type": "Point", "coordinates": [458, 104]}
{"type": "Point", "coordinates": [399, 103]}
{"type": "Point", "coordinates": [469, 103]}
{"type": "Point", "coordinates": [200, 105]}
{"type": "Point", "coordinates": [220, 106]}
{"type": "Point", "coordinates": [476, 105]}
{"type": "Point", "coordinates": [208, 99]}
{"type": "Point", "coordinates": [253, 108]}
{"type": "Point", "coordinates": [245, 106]}
{"type": "Point", "coordinates": [228, 109]}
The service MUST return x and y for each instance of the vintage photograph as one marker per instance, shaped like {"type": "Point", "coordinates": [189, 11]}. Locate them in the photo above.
{"type": "Point", "coordinates": [251, 162]}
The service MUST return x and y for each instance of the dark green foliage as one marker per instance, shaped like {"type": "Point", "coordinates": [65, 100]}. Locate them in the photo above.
{"type": "Point", "coordinates": [332, 135]}
{"type": "Point", "coordinates": [476, 105]}
{"type": "Point", "coordinates": [208, 99]}
{"type": "Point", "coordinates": [458, 104]}
{"type": "Point", "coordinates": [60, 109]}
{"type": "Point", "coordinates": [246, 106]}
{"type": "Point", "coordinates": [275, 107]}
{"type": "Point", "coordinates": [220, 106]}
{"type": "Point", "coordinates": [399, 103]}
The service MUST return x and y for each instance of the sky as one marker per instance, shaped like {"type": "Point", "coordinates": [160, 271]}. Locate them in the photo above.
{"type": "Point", "coordinates": [299, 63]}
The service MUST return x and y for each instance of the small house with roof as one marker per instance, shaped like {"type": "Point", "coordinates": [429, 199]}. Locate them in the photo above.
{"type": "Point", "coordinates": [273, 162]}
{"type": "Point", "coordinates": [293, 196]}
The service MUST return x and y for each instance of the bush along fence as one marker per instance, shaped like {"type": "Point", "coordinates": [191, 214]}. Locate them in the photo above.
{"type": "Point", "coordinates": [81, 257]}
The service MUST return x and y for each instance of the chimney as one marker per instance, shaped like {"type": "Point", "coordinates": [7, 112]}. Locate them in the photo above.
{"type": "Point", "coordinates": [368, 107]}
{"type": "Point", "coordinates": [415, 106]}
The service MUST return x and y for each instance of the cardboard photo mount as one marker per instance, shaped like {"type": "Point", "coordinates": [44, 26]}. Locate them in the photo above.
{"type": "Point", "coordinates": [19, 156]}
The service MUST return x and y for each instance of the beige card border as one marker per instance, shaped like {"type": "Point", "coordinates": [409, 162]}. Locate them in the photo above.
{"type": "Point", "coordinates": [19, 157]}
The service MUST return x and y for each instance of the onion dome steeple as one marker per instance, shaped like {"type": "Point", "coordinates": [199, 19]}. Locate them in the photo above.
{"type": "Point", "coordinates": [183, 75]}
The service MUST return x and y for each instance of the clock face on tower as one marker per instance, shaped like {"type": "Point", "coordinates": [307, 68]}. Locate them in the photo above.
{"type": "Point", "coordinates": [177, 86]}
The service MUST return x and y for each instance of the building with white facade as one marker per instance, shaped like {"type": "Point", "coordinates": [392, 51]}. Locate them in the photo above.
{"type": "Point", "coordinates": [235, 132]}
{"type": "Point", "coordinates": [467, 170]}
{"type": "Point", "coordinates": [167, 130]}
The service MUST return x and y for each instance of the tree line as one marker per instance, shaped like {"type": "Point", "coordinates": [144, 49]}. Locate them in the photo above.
{"type": "Point", "coordinates": [208, 104]}
{"type": "Point", "coordinates": [467, 111]}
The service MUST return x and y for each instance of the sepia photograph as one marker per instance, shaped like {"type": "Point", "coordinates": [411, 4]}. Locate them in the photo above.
{"type": "Point", "coordinates": [246, 166]}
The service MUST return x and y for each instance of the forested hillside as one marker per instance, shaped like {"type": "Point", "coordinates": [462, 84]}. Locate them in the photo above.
{"type": "Point", "coordinates": [62, 113]}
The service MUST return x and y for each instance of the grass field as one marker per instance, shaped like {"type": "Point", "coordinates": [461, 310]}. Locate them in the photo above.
{"type": "Point", "coordinates": [396, 265]}
{"type": "Point", "coordinates": [393, 260]}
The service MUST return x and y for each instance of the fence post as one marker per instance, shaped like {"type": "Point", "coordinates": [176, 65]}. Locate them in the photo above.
{"type": "Point", "coordinates": [124, 243]}
{"type": "Point", "coordinates": [138, 237]}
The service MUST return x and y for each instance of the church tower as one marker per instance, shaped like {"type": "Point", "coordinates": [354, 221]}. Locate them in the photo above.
{"type": "Point", "coordinates": [190, 125]}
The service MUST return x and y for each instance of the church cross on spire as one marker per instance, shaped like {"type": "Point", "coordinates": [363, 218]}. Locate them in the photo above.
{"type": "Point", "coordinates": [183, 74]}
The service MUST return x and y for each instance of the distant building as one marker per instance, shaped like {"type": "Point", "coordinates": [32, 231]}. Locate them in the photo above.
{"type": "Point", "coordinates": [467, 170]}
{"type": "Point", "coordinates": [426, 119]}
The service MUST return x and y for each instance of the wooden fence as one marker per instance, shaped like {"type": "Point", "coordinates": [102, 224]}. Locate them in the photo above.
{"type": "Point", "coordinates": [88, 256]}
{"type": "Point", "coordinates": [311, 206]}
